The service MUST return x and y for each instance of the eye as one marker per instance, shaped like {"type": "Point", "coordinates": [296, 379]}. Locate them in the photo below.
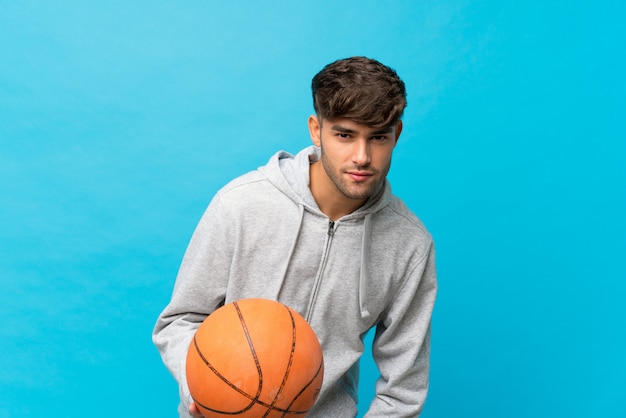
{"type": "Point", "coordinates": [343, 135]}
{"type": "Point", "coordinates": [380, 138]}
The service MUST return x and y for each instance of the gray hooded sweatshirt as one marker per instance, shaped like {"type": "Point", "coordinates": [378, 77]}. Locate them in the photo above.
{"type": "Point", "coordinates": [264, 236]}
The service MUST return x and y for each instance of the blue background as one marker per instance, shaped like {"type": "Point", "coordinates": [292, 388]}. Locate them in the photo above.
{"type": "Point", "coordinates": [119, 120]}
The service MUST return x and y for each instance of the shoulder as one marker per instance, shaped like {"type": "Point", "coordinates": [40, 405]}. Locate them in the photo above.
{"type": "Point", "coordinates": [250, 180]}
{"type": "Point", "coordinates": [251, 190]}
{"type": "Point", "coordinates": [399, 216]}
{"type": "Point", "coordinates": [398, 231]}
{"type": "Point", "coordinates": [250, 186]}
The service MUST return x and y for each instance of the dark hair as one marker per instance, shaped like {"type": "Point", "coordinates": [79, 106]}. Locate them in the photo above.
{"type": "Point", "coordinates": [361, 89]}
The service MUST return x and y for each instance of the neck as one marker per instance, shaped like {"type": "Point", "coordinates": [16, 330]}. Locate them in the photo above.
{"type": "Point", "coordinates": [330, 200]}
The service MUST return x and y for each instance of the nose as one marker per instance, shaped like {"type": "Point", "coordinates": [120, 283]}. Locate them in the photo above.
{"type": "Point", "coordinates": [361, 153]}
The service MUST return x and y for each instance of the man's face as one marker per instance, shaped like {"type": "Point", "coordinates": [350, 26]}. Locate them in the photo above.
{"type": "Point", "coordinates": [356, 158]}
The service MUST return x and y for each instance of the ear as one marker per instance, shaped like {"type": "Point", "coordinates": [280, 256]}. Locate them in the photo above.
{"type": "Point", "coordinates": [315, 130]}
{"type": "Point", "coordinates": [398, 130]}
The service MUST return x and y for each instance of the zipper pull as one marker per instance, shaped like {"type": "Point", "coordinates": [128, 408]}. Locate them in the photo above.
{"type": "Point", "coordinates": [331, 228]}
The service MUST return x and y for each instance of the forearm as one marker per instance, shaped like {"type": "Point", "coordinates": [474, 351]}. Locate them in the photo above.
{"type": "Point", "coordinates": [402, 394]}
{"type": "Point", "coordinates": [401, 347]}
{"type": "Point", "coordinates": [199, 290]}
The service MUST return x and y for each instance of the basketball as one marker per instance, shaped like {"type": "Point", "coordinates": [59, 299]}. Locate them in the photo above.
{"type": "Point", "coordinates": [254, 358]}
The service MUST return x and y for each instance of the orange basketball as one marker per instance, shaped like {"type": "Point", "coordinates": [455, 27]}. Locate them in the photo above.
{"type": "Point", "coordinates": [254, 358]}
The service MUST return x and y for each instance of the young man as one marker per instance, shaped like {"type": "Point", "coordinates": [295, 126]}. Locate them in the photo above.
{"type": "Point", "coordinates": [322, 233]}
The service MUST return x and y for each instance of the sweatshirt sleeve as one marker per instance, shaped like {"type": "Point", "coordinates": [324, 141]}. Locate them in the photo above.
{"type": "Point", "coordinates": [200, 288]}
{"type": "Point", "coordinates": [401, 347]}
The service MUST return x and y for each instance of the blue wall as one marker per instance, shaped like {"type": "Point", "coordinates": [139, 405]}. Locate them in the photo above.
{"type": "Point", "coordinates": [119, 120]}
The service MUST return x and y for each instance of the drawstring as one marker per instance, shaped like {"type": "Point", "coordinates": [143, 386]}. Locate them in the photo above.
{"type": "Point", "coordinates": [363, 276]}
{"type": "Point", "coordinates": [364, 273]}
{"type": "Point", "coordinates": [291, 251]}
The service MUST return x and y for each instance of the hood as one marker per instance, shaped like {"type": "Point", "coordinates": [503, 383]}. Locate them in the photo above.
{"type": "Point", "coordinates": [290, 175]}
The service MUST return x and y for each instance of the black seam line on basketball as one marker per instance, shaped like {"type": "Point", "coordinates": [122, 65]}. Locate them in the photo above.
{"type": "Point", "coordinates": [225, 380]}
{"type": "Point", "coordinates": [200, 404]}
{"type": "Point", "coordinates": [252, 350]}
{"type": "Point", "coordinates": [319, 369]}
{"type": "Point", "coordinates": [289, 364]}
{"type": "Point", "coordinates": [270, 407]}
{"type": "Point", "coordinates": [261, 403]}
{"type": "Point", "coordinates": [255, 400]}
{"type": "Point", "coordinates": [217, 411]}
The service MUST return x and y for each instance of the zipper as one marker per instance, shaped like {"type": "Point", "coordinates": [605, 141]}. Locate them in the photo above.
{"type": "Point", "coordinates": [320, 274]}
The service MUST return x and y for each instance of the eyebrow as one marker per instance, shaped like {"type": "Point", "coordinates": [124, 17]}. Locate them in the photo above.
{"type": "Point", "coordinates": [345, 130]}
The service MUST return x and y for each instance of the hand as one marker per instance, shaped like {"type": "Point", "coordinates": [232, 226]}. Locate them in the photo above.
{"type": "Point", "coordinates": [194, 411]}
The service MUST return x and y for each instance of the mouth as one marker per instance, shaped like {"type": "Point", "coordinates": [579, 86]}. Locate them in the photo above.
{"type": "Point", "coordinates": [359, 176]}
